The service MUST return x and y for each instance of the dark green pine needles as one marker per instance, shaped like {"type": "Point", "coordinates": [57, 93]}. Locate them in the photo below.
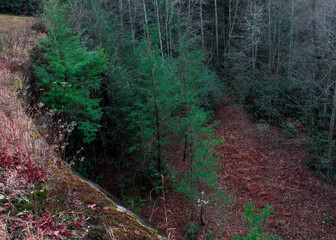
{"type": "Point", "coordinates": [71, 73]}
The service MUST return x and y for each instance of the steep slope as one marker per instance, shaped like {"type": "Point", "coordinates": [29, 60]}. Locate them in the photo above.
{"type": "Point", "coordinates": [40, 197]}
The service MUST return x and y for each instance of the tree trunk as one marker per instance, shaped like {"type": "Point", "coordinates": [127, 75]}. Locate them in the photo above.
{"type": "Point", "coordinates": [156, 109]}
{"type": "Point", "coordinates": [289, 70]}
{"type": "Point", "coordinates": [216, 26]}
{"type": "Point", "coordinates": [269, 37]}
{"type": "Point", "coordinates": [331, 163]}
{"type": "Point", "coordinates": [158, 25]}
{"type": "Point", "coordinates": [202, 24]}
{"type": "Point", "coordinates": [121, 12]}
{"type": "Point", "coordinates": [131, 22]}
{"type": "Point", "coordinates": [166, 28]}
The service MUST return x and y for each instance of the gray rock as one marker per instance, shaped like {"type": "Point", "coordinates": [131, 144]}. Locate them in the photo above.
{"type": "Point", "coordinates": [2, 197]}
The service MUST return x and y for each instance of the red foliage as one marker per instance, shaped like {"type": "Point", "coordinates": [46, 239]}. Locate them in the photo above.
{"type": "Point", "coordinates": [9, 161]}
{"type": "Point", "coordinates": [28, 170]}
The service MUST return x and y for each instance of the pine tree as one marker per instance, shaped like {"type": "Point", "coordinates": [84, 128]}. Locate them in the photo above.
{"type": "Point", "coordinates": [255, 223]}
{"type": "Point", "coordinates": [153, 102]}
{"type": "Point", "coordinates": [194, 84]}
{"type": "Point", "coordinates": [71, 73]}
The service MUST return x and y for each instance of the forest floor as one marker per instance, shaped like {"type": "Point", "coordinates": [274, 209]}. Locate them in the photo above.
{"type": "Point", "coordinates": [260, 165]}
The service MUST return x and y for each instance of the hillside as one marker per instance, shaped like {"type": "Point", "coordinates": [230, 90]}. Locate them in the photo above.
{"type": "Point", "coordinates": [40, 197]}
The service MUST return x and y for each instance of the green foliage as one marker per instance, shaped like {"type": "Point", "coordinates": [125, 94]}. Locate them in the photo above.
{"type": "Point", "coordinates": [255, 221]}
{"type": "Point", "coordinates": [274, 103]}
{"type": "Point", "coordinates": [148, 100]}
{"type": "Point", "coordinates": [135, 203]}
{"type": "Point", "coordinates": [28, 7]}
{"type": "Point", "coordinates": [209, 235]}
{"type": "Point", "coordinates": [322, 150]}
{"type": "Point", "coordinates": [329, 219]}
{"type": "Point", "coordinates": [85, 168]}
{"type": "Point", "coordinates": [152, 103]}
{"type": "Point", "coordinates": [195, 84]}
{"type": "Point", "coordinates": [194, 88]}
{"type": "Point", "coordinates": [23, 206]}
{"type": "Point", "coordinates": [288, 129]}
{"type": "Point", "coordinates": [70, 73]}
{"type": "Point", "coordinates": [191, 229]}
{"type": "Point", "coordinates": [199, 183]}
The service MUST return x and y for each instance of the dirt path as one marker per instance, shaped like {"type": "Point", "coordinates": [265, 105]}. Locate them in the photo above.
{"type": "Point", "coordinates": [264, 167]}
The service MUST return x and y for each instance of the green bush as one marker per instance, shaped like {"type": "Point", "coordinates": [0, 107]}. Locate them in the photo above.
{"type": "Point", "coordinates": [275, 104]}
{"type": "Point", "coordinates": [255, 221]}
{"type": "Point", "coordinates": [209, 235]}
{"type": "Point", "coordinates": [27, 7]}
{"type": "Point", "coordinates": [288, 129]}
{"type": "Point", "coordinates": [191, 229]}
{"type": "Point", "coordinates": [321, 153]}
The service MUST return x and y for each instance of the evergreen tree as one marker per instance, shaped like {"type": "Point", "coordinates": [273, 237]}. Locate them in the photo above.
{"type": "Point", "coordinates": [195, 85]}
{"type": "Point", "coordinates": [255, 223]}
{"type": "Point", "coordinates": [201, 175]}
{"type": "Point", "coordinates": [70, 73]}
{"type": "Point", "coordinates": [199, 182]}
{"type": "Point", "coordinates": [153, 102]}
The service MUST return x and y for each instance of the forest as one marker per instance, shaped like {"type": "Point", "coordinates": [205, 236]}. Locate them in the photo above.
{"type": "Point", "coordinates": [132, 91]}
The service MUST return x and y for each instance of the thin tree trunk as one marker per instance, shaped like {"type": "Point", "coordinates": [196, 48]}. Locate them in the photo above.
{"type": "Point", "coordinates": [170, 29]}
{"type": "Point", "coordinates": [201, 217]}
{"type": "Point", "coordinates": [166, 28]}
{"type": "Point", "coordinates": [188, 17]}
{"type": "Point", "coordinates": [121, 12]}
{"type": "Point", "coordinates": [202, 24]}
{"type": "Point", "coordinates": [331, 134]}
{"type": "Point", "coordinates": [232, 23]}
{"type": "Point", "coordinates": [290, 44]}
{"type": "Point", "coordinates": [145, 19]}
{"type": "Point", "coordinates": [158, 25]}
{"type": "Point", "coordinates": [278, 61]}
{"type": "Point", "coordinates": [216, 26]}
{"type": "Point", "coordinates": [332, 119]}
{"type": "Point", "coordinates": [269, 37]}
{"type": "Point", "coordinates": [156, 109]}
{"type": "Point", "coordinates": [326, 98]}
{"type": "Point", "coordinates": [131, 22]}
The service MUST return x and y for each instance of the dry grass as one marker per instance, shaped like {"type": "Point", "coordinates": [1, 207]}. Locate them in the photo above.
{"type": "Point", "coordinates": [20, 151]}
{"type": "Point", "coordinates": [10, 24]}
